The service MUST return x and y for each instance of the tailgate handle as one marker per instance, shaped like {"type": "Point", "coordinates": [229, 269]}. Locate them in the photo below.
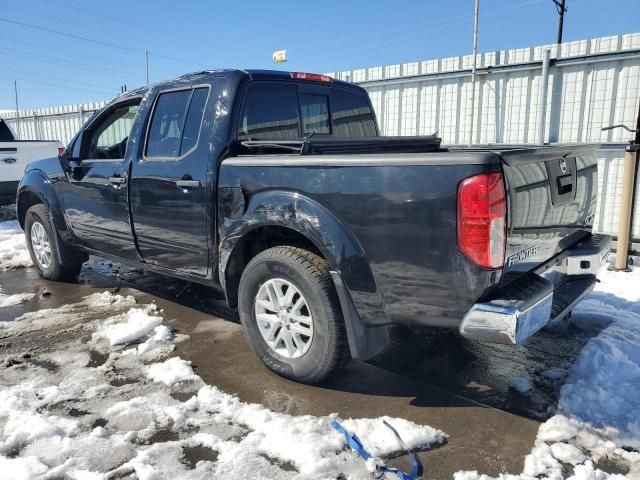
{"type": "Point", "coordinates": [565, 184]}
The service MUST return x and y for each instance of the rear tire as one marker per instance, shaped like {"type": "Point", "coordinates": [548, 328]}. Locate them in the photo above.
{"type": "Point", "coordinates": [306, 341]}
{"type": "Point", "coordinates": [52, 258]}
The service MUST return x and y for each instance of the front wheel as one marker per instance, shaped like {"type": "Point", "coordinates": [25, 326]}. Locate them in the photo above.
{"type": "Point", "coordinates": [52, 259]}
{"type": "Point", "coordinates": [291, 315]}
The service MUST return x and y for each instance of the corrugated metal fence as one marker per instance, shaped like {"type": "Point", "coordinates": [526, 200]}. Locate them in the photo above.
{"type": "Point", "coordinates": [591, 84]}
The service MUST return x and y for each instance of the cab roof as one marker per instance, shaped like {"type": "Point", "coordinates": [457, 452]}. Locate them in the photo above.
{"type": "Point", "coordinates": [253, 74]}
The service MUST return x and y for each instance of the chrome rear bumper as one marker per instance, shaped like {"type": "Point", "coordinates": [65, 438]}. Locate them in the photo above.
{"type": "Point", "coordinates": [532, 301]}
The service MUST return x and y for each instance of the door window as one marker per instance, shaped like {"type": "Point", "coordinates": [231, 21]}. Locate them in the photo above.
{"type": "Point", "coordinates": [108, 136]}
{"type": "Point", "coordinates": [270, 111]}
{"type": "Point", "coordinates": [315, 113]}
{"type": "Point", "coordinates": [175, 125]}
{"type": "Point", "coordinates": [194, 120]}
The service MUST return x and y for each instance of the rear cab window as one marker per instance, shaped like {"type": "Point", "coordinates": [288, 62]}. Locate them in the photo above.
{"type": "Point", "coordinates": [278, 110]}
{"type": "Point", "coordinates": [314, 109]}
{"type": "Point", "coordinates": [270, 111]}
{"type": "Point", "coordinates": [352, 114]}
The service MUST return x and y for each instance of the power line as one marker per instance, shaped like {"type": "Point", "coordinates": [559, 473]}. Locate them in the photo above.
{"type": "Point", "coordinates": [51, 84]}
{"type": "Point", "coordinates": [69, 35]}
{"type": "Point", "coordinates": [97, 42]}
{"type": "Point", "coordinates": [61, 62]}
{"type": "Point", "coordinates": [117, 20]}
{"type": "Point", "coordinates": [22, 72]}
{"type": "Point", "coordinates": [457, 20]}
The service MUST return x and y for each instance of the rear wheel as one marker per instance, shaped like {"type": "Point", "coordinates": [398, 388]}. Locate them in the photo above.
{"type": "Point", "coordinates": [291, 315]}
{"type": "Point", "coordinates": [53, 259]}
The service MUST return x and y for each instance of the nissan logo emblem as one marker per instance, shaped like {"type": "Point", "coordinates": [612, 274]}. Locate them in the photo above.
{"type": "Point", "coordinates": [563, 165]}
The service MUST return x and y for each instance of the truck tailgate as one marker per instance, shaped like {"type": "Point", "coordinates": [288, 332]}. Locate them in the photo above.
{"type": "Point", "coordinates": [551, 200]}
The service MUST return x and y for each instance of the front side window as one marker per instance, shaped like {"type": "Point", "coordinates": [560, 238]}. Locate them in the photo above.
{"type": "Point", "coordinates": [108, 136]}
{"type": "Point", "coordinates": [270, 111]}
{"type": "Point", "coordinates": [175, 125]}
{"type": "Point", "coordinates": [315, 113]}
{"type": "Point", "coordinates": [352, 115]}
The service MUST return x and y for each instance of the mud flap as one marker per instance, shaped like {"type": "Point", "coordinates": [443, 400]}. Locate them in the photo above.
{"type": "Point", "coordinates": [364, 342]}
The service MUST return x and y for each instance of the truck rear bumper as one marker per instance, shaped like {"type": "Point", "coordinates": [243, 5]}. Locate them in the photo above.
{"type": "Point", "coordinates": [532, 301]}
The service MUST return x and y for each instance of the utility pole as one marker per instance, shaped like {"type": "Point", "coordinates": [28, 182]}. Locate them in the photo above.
{"type": "Point", "coordinates": [15, 89]}
{"type": "Point", "coordinates": [473, 68]}
{"type": "Point", "coordinates": [628, 197]}
{"type": "Point", "coordinates": [561, 10]}
{"type": "Point", "coordinates": [146, 65]}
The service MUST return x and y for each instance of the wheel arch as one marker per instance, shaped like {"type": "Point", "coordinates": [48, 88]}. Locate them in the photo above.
{"type": "Point", "coordinates": [294, 219]}
{"type": "Point", "coordinates": [36, 188]}
{"type": "Point", "coordinates": [275, 218]}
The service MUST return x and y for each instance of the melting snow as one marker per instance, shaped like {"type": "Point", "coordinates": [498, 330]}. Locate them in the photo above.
{"type": "Point", "coordinates": [598, 414]}
{"type": "Point", "coordinates": [13, 248]}
{"type": "Point", "coordinates": [128, 415]}
{"type": "Point", "coordinates": [15, 299]}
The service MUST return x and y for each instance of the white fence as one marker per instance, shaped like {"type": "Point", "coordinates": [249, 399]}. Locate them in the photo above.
{"type": "Point", "coordinates": [590, 84]}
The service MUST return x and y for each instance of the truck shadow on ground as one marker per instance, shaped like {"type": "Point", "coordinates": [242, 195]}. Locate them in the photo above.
{"type": "Point", "coordinates": [439, 358]}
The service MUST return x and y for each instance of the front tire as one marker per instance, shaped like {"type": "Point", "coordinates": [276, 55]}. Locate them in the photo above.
{"type": "Point", "coordinates": [53, 259]}
{"type": "Point", "coordinates": [291, 315]}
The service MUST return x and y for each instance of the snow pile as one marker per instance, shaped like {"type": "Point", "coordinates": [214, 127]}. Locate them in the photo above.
{"type": "Point", "coordinates": [13, 247]}
{"type": "Point", "coordinates": [598, 416]}
{"type": "Point", "coordinates": [172, 371]}
{"type": "Point", "coordinates": [137, 323]}
{"type": "Point", "coordinates": [89, 306]}
{"type": "Point", "coordinates": [111, 404]}
{"type": "Point", "coordinates": [15, 299]}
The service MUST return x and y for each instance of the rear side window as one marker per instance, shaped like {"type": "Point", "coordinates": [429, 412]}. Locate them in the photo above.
{"type": "Point", "coordinates": [175, 124]}
{"type": "Point", "coordinates": [315, 113]}
{"type": "Point", "coordinates": [193, 120]}
{"type": "Point", "coordinates": [270, 111]}
{"type": "Point", "coordinates": [352, 115]}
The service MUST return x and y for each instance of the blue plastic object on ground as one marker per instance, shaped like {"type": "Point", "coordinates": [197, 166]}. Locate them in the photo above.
{"type": "Point", "coordinates": [375, 465]}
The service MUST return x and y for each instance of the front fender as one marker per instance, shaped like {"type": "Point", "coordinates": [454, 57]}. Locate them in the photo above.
{"type": "Point", "coordinates": [37, 187]}
{"type": "Point", "coordinates": [340, 248]}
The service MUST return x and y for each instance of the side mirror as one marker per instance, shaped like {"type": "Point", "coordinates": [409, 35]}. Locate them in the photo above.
{"type": "Point", "coordinates": [70, 158]}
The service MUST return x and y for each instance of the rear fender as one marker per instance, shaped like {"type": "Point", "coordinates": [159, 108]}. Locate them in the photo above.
{"type": "Point", "coordinates": [359, 296]}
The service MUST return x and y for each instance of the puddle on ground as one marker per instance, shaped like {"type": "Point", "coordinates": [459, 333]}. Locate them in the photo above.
{"type": "Point", "coordinates": [282, 464]}
{"type": "Point", "coordinates": [193, 455]}
{"type": "Point", "coordinates": [97, 359]}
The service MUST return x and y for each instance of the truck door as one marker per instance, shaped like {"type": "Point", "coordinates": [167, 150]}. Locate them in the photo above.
{"type": "Point", "coordinates": [171, 205]}
{"type": "Point", "coordinates": [95, 198]}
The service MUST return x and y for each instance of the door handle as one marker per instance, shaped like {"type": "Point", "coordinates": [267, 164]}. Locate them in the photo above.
{"type": "Point", "coordinates": [188, 183]}
{"type": "Point", "coordinates": [117, 180]}
{"type": "Point", "coordinates": [9, 160]}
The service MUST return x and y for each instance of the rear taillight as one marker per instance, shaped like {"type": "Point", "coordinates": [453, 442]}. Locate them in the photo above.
{"type": "Point", "coordinates": [482, 211]}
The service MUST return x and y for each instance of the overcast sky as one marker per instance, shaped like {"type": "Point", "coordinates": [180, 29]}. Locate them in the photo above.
{"type": "Point", "coordinates": [72, 51]}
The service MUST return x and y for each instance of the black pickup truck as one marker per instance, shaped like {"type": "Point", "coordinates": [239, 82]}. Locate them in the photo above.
{"type": "Point", "coordinates": [277, 188]}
